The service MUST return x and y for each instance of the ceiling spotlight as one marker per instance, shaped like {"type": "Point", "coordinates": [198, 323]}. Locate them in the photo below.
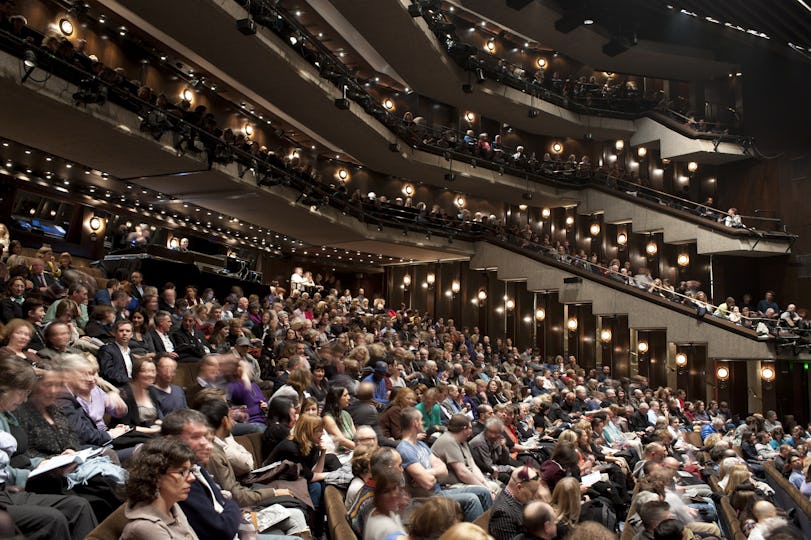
{"type": "Point", "coordinates": [545, 213]}
{"type": "Point", "coordinates": [681, 359]}
{"type": "Point", "coordinates": [588, 21]}
{"type": "Point", "coordinates": [540, 314]}
{"type": "Point", "coordinates": [651, 248]}
{"type": "Point", "coordinates": [470, 117]}
{"type": "Point", "coordinates": [642, 347]}
{"type": "Point", "coordinates": [66, 26]}
{"type": "Point", "coordinates": [692, 166]}
{"type": "Point", "coordinates": [722, 373]}
{"type": "Point", "coordinates": [642, 151]}
{"type": "Point", "coordinates": [388, 104]}
{"type": "Point", "coordinates": [557, 148]}
{"type": "Point", "coordinates": [683, 259]}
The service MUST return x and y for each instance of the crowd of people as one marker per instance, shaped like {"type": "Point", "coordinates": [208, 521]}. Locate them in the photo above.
{"type": "Point", "coordinates": [414, 417]}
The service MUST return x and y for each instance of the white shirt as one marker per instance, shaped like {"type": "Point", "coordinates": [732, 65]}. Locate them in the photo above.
{"type": "Point", "coordinates": [296, 282]}
{"type": "Point", "coordinates": [125, 352]}
{"type": "Point", "coordinates": [167, 343]}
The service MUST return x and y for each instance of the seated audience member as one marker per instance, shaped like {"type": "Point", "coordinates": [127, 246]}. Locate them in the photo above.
{"type": "Point", "coordinates": [767, 520]}
{"type": "Point", "coordinates": [425, 471]}
{"type": "Point", "coordinates": [101, 323]}
{"type": "Point", "coordinates": [217, 413]}
{"type": "Point", "coordinates": [115, 359]}
{"type": "Point", "coordinates": [281, 416]}
{"type": "Point", "coordinates": [209, 375]}
{"type": "Point", "coordinates": [389, 500]}
{"type": "Point", "coordinates": [540, 522]}
{"type": "Point", "coordinates": [77, 293]}
{"type": "Point", "coordinates": [189, 342]}
{"type": "Point", "coordinates": [489, 450]}
{"type": "Point", "coordinates": [11, 305]}
{"type": "Point", "coordinates": [525, 485]}
{"type": "Point", "coordinates": [652, 514]}
{"type": "Point", "coordinates": [379, 379]}
{"type": "Point", "coordinates": [33, 312]}
{"type": "Point", "coordinates": [567, 504]}
{"type": "Point", "coordinates": [57, 342]}
{"type": "Point", "coordinates": [210, 513]}
{"type": "Point", "coordinates": [304, 447]}
{"type": "Point", "coordinates": [338, 423]}
{"type": "Point", "coordinates": [796, 474]}
{"type": "Point", "coordinates": [361, 472]}
{"type": "Point", "coordinates": [389, 420]}
{"type": "Point", "coordinates": [242, 391]}
{"type": "Point", "coordinates": [160, 335]}
{"type": "Point", "coordinates": [433, 517]}
{"type": "Point", "coordinates": [15, 337]}
{"type": "Point", "coordinates": [84, 404]}
{"type": "Point", "coordinates": [52, 517]}
{"type": "Point", "coordinates": [364, 413]}
{"type": "Point", "coordinates": [143, 407]}
{"type": "Point", "coordinates": [382, 459]}
{"type": "Point", "coordinates": [170, 396]}
{"type": "Point", "coordinates": [104, 297]}
{"type": "Point", "coordinates": [452, 448]}
{"type": "Point", "coordinates": [160, 476]}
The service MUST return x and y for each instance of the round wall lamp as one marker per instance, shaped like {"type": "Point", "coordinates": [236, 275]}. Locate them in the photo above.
{"type": "Point", "coordinates": [540, 314]}
{"type": "Point", "coordinates": [541, 62]}
{"type": "Point", "coordinates": [605, 335]}
{"type": "Point", "coordinates": [470, 117]}
{"type": "Point", "coordinates": [459, 201]}
{"type": "Point", "coordinates": [594, 229]}
{"type": "Point", "coordinates": [651, 248]}
{"type": "Point", "coordinates": [767, 373]}
{"type": "Point", "coordinates": [622, 239]}
{"type": "Point", "coordinates": [481, 295]}
{"type": "Point", "coordinates": [248, 130]}
{"type": "Point", "coordinates": [66, 26]}
{"type": "Point", "coordinates": [95, 223]}
{"type": "Point", "coordinates": [187, 95]}
{"type": "Point", "coordinates": [545, 213]}
{"type": "Point", "coordinates": [343, 174]}
{"type": "Point", "coordinates": [642, 151]}
{"type": "Point", "coordinates": [490, 46]}
{"type": "Point", "coordinates": [509, 303]}
{"type": "Point", "coordinates": [642, 347]}
{"type": "Point", "coordinates": [681, 359]}
{"type": "Point", "coordinates": [408, 190]}
{"type": "Point", "coordinates": [430, 279]}
{"type": "Point", "coordinates": [571, 324]}
{"type": "Point", "coordinates": [456, 286]}
{"type": "Point", "coordinates": [569, 221]}
{"type": "Point", "coordinates": [692, 166]}
{"type": "Point", "coordinates": [388, 104]}
{"type": "Point", "coordinates": [407, 281]}
{"type": "Point", "coordinates": [619, 145]}
{"type": "Point", "coordinates": [557, 148]}
{"type": "Point", "coordinates": [722, 373]}
{"type": "Point", "coordinates": [683, 260]}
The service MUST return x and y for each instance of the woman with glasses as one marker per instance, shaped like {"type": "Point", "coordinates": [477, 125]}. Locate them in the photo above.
{"type": "Point", "coordinates": [160, 476]}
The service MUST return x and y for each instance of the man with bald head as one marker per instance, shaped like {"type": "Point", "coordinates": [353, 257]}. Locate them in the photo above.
{"type": "Point", "coordinates": [506, 518]}
{"type": "Point", "coordinates": [540, 522]}
{"type": "Point", "coordinates": [364, 412]}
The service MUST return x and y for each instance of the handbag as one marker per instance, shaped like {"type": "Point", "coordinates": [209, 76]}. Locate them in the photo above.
{"type": "Point", "coordinates": [283, 470]}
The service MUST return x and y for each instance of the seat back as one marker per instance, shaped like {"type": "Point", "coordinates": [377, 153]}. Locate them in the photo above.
{"type": "Point", "coordinates": [112, 527]}
{"type": "Point", "coordinates": [339, 528]}
{"type": "Point", "coordinates": [253, 444]}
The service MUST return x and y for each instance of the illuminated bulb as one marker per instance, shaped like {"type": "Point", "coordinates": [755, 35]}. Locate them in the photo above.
{"type": "Point", "coordinates": [594, 229]}
{"type": "Point", "coordinates": [683, 259]}
{"type": "Point", "coordinates": [722, 373]}
{"type": "Point", "coordinates": [767, 373]}
{"type": "Point", "coordinates": [622, 239]}
{"type": "Point", "coordinates": [187, 95]}
{"type": "Point", "coordinates": [388, 104]}
{"type": "Point", "coordinates": [569, 221]}
{"type": "Point", "coordinates": [692, 166]}
{"type": "Point", "coordinates": [430, 279]}
{"type": "Point", "coordinates": [456, 286]}
{"type": "Point", "coordinates": [509, 304]}
{"type": "Point", "coordinates": [490, 46]}
{"type": "Point", "coordinates": [642, 151]}
{"type": "Point", "coordinates": [469, 116]}
{"type": "Point", "coordinates": [343, 174]}
{"type": "Point", "coordinates": [651, 248]}
{"type": "Point", "coordinates": [407, 280]}
{"type": "Point", "coordinates": [619, 145]}
{"type": "Point", "coordinates": [681, 359]}
{"type": "Point", "coordinates": [522, 207]}
{"type": "Point", "coordinates": [605, 335]}
{"type": "Point", "coordinates": [540, 314]}
{"type": "Point", "coordinates": [571, 324]}
{"type": "Point", "coordinates": [66, 26]}
{"type": "Point", "coordinates": [408, 190]}
{"type": "Point", "coordinates": [541, 62]}
{"type": "Point", "coordinates": [482, 295]}
{"type": "Point", "coordinates": [545, 213]}
{"type": "Point", "coordinates": [459, 201]}
{"type": "Point", "coordinates": [642, 347]}
{"type": "Point", "coordinates": [248, 130]}
{"type": "Point", "coordinates": [557, 148]}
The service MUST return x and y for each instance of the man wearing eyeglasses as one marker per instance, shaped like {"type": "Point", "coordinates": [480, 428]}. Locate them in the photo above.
{"type": "Point", "coordinates": [506, 518]}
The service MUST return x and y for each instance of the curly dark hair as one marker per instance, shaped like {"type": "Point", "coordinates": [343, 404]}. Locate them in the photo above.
{"type": "Point", "coordinates": [152, 462]}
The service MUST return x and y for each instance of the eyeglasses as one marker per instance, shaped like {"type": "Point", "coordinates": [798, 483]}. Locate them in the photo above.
{"type": "Point", "coordinates": [194, 470]}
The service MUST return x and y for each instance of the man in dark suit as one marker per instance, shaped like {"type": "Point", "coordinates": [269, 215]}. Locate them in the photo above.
{"type": "Point", "coordinates": [39, 277]}
{"type": "Point", "coordinates": [364, 413]}
{"type": "Point", "coordinates": [210, 514]}
{"type": "Point", "coordinates": [115, 359]}
{"type": "Point", "coordinates": [137, 289]}
{"type": "Point", "coordinates": [190, 343]}
{"type": "Point", "coordinates": [159, 336]}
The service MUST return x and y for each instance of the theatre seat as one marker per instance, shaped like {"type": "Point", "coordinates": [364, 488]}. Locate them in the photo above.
{"type": "Point", "coordinates": [339, 528]}
{"type": "Point", "coordinates": [111, 528]}
{"type": "Point", "coordinates": [483, 520]}
{"type": "Point", "coordinates": [253, 443]}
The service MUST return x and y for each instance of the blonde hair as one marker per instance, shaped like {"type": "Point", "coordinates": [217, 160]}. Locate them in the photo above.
{"type": "Point", "coordinates": [568, 436]}
{"type": "Point", "coordinates": [303, 433]}
{"type": "Point", "coordinates": [566, 500]}
{"type": "Point", "coordinates": [466, 531]}
{"type": "Point", "coordinates": [738, 474]}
